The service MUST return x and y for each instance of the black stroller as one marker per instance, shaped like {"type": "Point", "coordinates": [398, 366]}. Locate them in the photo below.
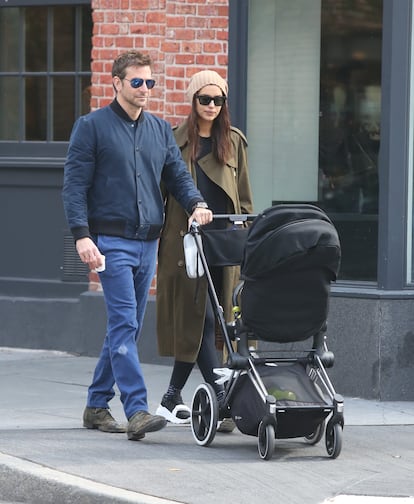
{"type": "Point", "coordinates": [289, 256]}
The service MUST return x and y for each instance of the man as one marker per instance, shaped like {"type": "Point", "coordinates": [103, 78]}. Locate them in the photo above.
{"type": "Point", "coordinates": [117, 158]}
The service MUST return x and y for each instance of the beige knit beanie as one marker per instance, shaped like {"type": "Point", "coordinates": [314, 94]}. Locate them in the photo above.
{"type": "Point", "coordinates": [204, 78]}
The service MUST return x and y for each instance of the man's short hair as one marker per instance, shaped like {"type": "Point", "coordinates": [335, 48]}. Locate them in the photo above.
{"type": "Point", "coordinates": [127, 59]}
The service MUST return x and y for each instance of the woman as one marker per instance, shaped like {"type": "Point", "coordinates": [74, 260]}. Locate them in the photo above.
{"type": "Point", "coordinates": [216, 155]}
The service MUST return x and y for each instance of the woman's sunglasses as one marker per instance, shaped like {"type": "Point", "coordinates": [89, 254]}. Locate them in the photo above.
{"type": "Point", "coordinates": [204, 99]}
{"type": "Point", "coordinates": [137, 82]}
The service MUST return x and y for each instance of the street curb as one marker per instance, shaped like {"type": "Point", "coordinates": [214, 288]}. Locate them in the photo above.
{"type": "Point", "coordinates": [33, 483]}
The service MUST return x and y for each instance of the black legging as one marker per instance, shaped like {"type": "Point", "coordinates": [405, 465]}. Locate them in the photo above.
{"type": "Point", "coordinates": [207, 358]}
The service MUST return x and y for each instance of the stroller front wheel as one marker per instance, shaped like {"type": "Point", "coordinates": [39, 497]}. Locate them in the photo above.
{"type": "Point", "coordinates": [204, 414]}
{"type": "Point", "coordinates": [333, 440]}
{"type": "Point", "coordinates": [266, 440]}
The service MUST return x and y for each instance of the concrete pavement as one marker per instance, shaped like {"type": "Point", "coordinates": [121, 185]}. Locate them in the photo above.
{"type": "Point", "coordinates": [47, 457]}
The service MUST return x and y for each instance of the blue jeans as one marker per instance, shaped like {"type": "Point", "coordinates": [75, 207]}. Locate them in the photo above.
{"type": "Point", "coordinates": [130, 267]}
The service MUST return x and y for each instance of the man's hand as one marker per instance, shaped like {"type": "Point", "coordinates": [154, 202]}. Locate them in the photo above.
{"type": "Point", "coordinates": [89, 253]}
{"type": "Point", "coordinates": [201, 215]}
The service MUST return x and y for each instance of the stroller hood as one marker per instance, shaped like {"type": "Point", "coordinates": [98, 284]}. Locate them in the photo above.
{"type": "Point", "coordinates": [292, 255]}
{"type": "Point", "coordinates": [284, 233]}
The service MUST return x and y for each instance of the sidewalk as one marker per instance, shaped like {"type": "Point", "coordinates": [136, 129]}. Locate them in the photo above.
{"type": "Point", "coordinates": [47, 457]}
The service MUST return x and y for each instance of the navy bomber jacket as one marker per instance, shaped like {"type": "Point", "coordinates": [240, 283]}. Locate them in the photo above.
{"type": "Point", "coordinates": [113, 171]}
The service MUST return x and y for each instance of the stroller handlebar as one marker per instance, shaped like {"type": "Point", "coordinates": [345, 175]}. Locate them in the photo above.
{"type": "Point", "coordinates": [235, 217]}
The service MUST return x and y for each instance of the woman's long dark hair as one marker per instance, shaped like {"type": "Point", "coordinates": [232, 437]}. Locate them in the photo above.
{"type": "Point", "coordinates": [220, 134]}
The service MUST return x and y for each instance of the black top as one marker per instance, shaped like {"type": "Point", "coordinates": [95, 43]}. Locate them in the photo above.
{"type": "Point", "coordinates": [214, 195]}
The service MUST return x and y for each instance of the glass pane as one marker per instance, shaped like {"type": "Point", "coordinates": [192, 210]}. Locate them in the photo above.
{"type": "Point", "coordinates": [63, 107]}
{"type": "Point", "coordinates": [9, 40]}
{"type": "Point", "coordinates": [9, 105]}
{"type": "Point", "coordinates": [64, 39]}
{"type": "Point", "coordinates": [36, 30]}
{"type": "Point", "coordinates": [283, 116]}
{"type": "Point", "coordinates": [86, 95]}
{"type": "Point", "coordinates": [86, 39]}
{"type": "Point", "coordinates": [349, 129]}
{"type": "Point", "coordinates": [36, 117]}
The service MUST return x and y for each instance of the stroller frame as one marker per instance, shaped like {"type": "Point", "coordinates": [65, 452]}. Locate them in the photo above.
{"type": "Point", "coordinates": [243, 365]}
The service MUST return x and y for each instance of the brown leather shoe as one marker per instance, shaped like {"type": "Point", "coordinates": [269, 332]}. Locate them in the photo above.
{"type": "Point", "coordinates": [143, 422]}
{"type": "Point", "coordinates": [101, 419]}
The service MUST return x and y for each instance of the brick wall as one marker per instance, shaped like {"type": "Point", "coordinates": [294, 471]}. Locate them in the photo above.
{"type": "Point", "coordinates": [182, 37]}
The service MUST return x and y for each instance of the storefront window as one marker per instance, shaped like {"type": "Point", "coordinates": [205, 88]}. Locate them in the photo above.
{"type": "Point", "coordinates": [313, 115]}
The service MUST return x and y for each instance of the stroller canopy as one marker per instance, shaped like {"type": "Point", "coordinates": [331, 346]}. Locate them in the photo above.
{"type": "Point", "coordinates": [292, 255]}
{"type": "Point", "coordinates": [284, 233]}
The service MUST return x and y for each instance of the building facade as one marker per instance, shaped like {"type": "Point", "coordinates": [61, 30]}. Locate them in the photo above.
{"type": "Point", "coordinates": [323, 90]}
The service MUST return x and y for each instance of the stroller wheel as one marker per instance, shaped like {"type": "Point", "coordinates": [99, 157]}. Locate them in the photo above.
{"type": "Point", "coordinates": [333, 440]}
{"type": "Point", "coordinates": [316, 435]}
{"type": "Point", "coordinates": [266, 440]}
{"type": "Point", "coordinates": [204, 414]}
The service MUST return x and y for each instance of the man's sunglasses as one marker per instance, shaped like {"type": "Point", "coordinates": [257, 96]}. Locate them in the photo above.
{"type": "Point", "coordinates": [137, 82]}
{"type": "Point", "coordinates": [204, 99]}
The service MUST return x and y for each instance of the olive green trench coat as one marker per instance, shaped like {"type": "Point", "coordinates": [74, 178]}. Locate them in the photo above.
{"type": "Point", "coordinates": [181, 301]}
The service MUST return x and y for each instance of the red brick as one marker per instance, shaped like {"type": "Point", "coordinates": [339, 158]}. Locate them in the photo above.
{"type": "Point", "coordinates": [140, 4]}
{"type": "Point", "coordinates": [155, 17]}
{"type": "Point", "coordinates": [182, 110]}
{"type": "Point", "coordinates": [185, 59]}
{"type": "Point", "coordinates": [153, 42]}
{"type": "Point", "coordinates": [110, 17]}
{"type": "Point", "coordinates": [98, 41]}
{"type": "Point", "coordinates": [98, 16]}
{"type": "Point", "coordinates": [175, 72]}
{"type": "Point", "coordinates": [223, 60]}
{"type": "Point", "coordinates": [138, 28]}
{"type": "Point", "coordinates": [218, 22]}
{"type": "Point", "coordinates": [185, 9]}
{"type": "Point", "coordinates": [181, 84]}
{"type": "Point", "coordinates": [126, 42]}
{"type": "Point", "coordinates": [193, 47]}
{"type": "Point", "coordinates": [175, 21]}
{"type": "Point", "coordinates": [208, 11]}
{"type": "Point", "coordinates": [170, 47]}
{"type": "Point", "coordinates": [210, 47]}
{"type": "Point", "coordinates": [222, 35]}
{"type": "Point", "coordinates": [204, 59]}
{"type": "Point", "coordinates": [109, 41]}
{"type": "Point", "coordinates": [182, 34]}
{"type": "Point", "coordinates": [109, 29]}
{"type": "Point", "coordinates": [197, 22]}
{"type": "Point", "coordinates": [174, 97]}
{"type": "Point", "coordinates": [206, 34]}
{"type": "Point", "coordinates": [138, 42]}
{"type": "Point", "coordinates": [97, 67]}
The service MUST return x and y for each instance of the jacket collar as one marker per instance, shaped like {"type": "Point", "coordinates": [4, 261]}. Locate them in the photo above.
{"type": "Point", "coordinates": [116, 107]}
{"type": "Point", "coordinates": [181, 134]}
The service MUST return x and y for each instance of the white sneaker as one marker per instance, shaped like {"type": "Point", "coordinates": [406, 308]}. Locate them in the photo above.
{"type": "Point", "coordinates": [174, 410]}
{"type": "Point", "coordinates": [226, 425]}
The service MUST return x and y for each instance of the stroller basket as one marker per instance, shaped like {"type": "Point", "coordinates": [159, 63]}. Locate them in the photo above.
{"type": "Point", "coordinates": [294, 393]}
